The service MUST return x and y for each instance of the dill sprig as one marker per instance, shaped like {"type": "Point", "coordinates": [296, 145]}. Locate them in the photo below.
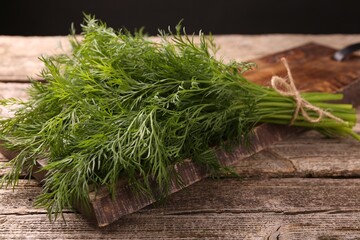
{"type": "Point", "coordinates": [123, 106]}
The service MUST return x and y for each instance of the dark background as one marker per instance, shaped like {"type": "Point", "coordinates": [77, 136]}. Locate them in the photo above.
{"type": "Point", "coordinates": [47, 17]}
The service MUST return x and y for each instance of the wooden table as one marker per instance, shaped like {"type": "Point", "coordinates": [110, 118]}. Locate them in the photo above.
{"type": "Point", "coordinates": [307, 187]}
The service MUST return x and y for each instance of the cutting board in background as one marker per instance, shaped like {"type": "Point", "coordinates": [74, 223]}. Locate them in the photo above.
{"type": "Point", "coordinates": [313, 70]}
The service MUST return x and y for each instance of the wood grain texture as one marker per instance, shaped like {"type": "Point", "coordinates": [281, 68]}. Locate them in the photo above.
{"type": "Point", "coordinates": [19, 55]}
{"type": "Point", "coordinates": [247, 226]}
{"type": "Point", "coordinates": [306, 155]}
{"type": "Point", "coordinates": [312, 67]}
{"type": "Point", "coordinates": [318, 156]}
{"type": "Point", "coordinates": [290, 208]}
{"type": "Point", "coordinates": [285, 207]}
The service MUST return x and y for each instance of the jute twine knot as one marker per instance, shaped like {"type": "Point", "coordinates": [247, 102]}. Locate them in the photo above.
{"type": "Point", "coordinates": [286, 87]}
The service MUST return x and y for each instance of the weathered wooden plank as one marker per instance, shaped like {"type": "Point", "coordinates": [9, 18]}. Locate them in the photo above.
{"type": "Point", "coordinates": [20, 199]}
{"type": "Point", "coordinates": [285, 195]}
{"type": "Point", "coordinates": [320, 157]}
{"type": "Point", "coordinates": [291, 208]}
{"type": "Point", "coordinates": [19, 55]}
{"type": "Point", "coordinates": [247, 226]}
{"type": "Point", "coordinates": [13, 90]}
{"type": "Point", "coordinates": [306, 155]}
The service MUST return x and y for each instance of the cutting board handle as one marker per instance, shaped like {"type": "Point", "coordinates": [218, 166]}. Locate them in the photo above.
{"type": "Point", "coordinates": [344, 53]}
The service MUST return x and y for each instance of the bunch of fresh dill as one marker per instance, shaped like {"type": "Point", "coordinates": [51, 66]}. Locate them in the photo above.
{"type": "Point", "coordinates": [122, 106]}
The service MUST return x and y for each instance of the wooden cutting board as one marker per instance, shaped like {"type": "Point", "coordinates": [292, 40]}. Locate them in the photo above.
{"type": "Point", "coordinates": [313, 70]}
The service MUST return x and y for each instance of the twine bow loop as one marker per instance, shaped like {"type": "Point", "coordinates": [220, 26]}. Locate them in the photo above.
{"type": "Point", "coordinates": [286, 87]}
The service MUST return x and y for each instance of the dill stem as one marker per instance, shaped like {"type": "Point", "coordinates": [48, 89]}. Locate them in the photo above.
{"type": "Point", "coordinates": [345, 117]}
{"type": "Point", "coordinates": [321, 96]}
{"type": "Point", "coordinates": [322, 124]}
{"type": "Point", "coordinates": [337, 106]}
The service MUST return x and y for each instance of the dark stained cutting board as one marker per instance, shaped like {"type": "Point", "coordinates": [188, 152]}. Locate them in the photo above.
{"type": "Point", "coordinates": [313, 70]}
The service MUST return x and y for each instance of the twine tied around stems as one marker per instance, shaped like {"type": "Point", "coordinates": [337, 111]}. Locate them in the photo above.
{"type": "Point", "coordinates": [286, 87]}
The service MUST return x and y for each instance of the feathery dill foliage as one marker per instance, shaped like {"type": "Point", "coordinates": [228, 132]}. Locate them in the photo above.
{"type": "Point", "coordinates": [122, 106]}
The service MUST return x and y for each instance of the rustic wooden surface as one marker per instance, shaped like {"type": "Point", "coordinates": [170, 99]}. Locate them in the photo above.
{"type": "Point", "coordinates": [303, 188]}
{"type": "Point", "coordinates": [314, 69]}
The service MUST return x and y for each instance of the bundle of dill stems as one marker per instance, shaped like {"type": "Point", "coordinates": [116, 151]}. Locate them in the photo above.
{"type": "Point", "coordinates": [123, 106]}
